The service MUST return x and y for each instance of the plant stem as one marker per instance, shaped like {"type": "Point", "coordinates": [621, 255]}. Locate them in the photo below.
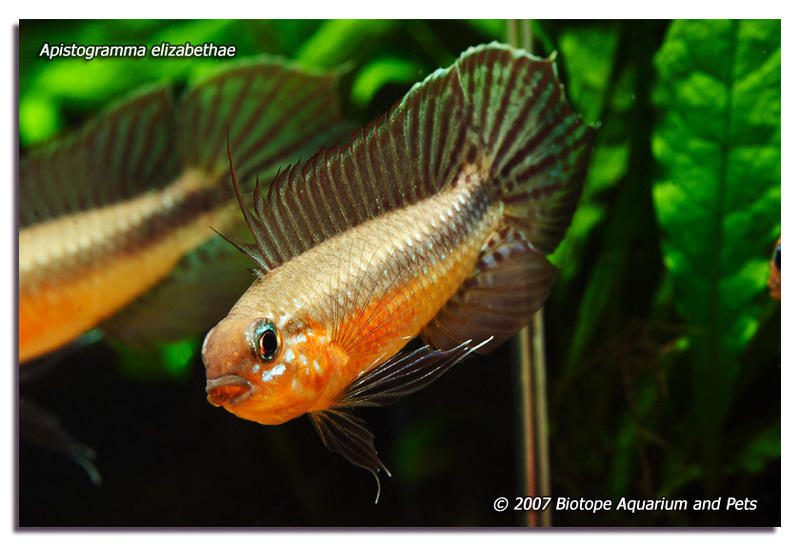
{"type": "Point", "coordinates": [532, 375]}
{"type": "Point", "coordinates": [540, 398]}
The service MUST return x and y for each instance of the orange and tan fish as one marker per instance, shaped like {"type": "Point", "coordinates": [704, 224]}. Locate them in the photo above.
{"type": "Point", "coordinates": [107, 213]}
{"type": "Point", "coordinates": [434, 221]}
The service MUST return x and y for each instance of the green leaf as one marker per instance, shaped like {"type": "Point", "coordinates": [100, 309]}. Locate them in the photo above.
{"type": "Point", "coordinates": [340, 40]}
{"type": "Point", "coordinates": [614, 216]}
{"type": "Point", "coordinates": [717, 143]}
{"type": "Point", "coordinates": [382, 71]}
{"type": "Point", "coordinates": [165, 363]}
{"type": "Point", "coordinates": [589, 52]}
{"type": "Point", "coordinates": [762, 449]}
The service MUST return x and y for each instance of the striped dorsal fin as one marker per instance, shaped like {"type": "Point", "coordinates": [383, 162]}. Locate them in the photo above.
{"type": "Point", "coordinates": [496, 107]}
{"type": "Point", "coordinates": [122, 152]}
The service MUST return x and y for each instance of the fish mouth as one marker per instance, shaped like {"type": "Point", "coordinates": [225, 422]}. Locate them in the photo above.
{"type": "Point", "coordinates": [230, 390]}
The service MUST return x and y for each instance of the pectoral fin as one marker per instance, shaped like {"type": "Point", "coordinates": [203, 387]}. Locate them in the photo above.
{"type": "Point", "coordinates": [399, 376]}
{"type": "Point", "coordinates": [402, 375]}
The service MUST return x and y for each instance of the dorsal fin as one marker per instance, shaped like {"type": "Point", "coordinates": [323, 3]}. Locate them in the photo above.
{"type": "Point", "coordinates": [497, 108]}
{"type": "Point", "coordinates": [397, 160]}
{"type": "Point", "coordinates": [124, 151]}
{"type": "Point", "coordinates": [274, 110]}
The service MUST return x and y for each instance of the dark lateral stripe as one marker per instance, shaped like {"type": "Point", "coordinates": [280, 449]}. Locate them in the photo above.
{"type": "Point", "coordinates": [151, 230]}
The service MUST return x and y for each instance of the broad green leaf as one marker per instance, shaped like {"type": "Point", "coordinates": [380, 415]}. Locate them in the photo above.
{"type": "Point", "coordinates": [614, 216]}
{"type": "Point", "coordinates": [717, 142]}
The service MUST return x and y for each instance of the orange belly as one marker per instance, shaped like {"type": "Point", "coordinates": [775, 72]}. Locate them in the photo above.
{"type": "Point", "coordinates": [78, 270]}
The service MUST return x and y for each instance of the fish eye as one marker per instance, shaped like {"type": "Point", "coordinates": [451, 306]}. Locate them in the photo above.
{"type": "Point", "coordinates": [776, 257]}
{"type": "Point", "coordinates": [266, 340]}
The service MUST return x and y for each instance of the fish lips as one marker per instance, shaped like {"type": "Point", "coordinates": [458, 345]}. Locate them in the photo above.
{"type": "Point", "coordinates": [230, 390]}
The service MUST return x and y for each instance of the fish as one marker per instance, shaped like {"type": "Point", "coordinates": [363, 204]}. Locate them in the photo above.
{"type": "Point", "coordinates": [433, 222]}
{"type": "Point", "coordinates": [108, 213]}
{"type": "Point", "coordinates": [774, 283]}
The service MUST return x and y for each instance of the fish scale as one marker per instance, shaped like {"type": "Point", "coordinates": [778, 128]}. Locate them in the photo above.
{"type": "Point", "coordinates": [394, 307]}
{"type": "Point", "coordinates": [384, 279]}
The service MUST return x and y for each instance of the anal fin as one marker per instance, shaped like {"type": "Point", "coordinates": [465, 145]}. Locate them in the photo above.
{"type": "Point", "coordinates": [509, 284]}
{"type": "Point", "coordinates": [348, 436]}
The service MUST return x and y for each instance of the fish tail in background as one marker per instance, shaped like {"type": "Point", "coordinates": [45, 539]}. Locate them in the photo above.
{"type": "Point", "coordinates": [534, 151]}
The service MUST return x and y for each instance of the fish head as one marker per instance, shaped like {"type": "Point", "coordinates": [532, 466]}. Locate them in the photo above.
{"type": "Point", "coordinates": [265, 370]}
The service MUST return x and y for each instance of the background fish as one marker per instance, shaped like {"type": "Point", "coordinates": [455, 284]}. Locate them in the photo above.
{"type": "Point", "coordinates": [434, 220]}
{"type": "Point", "coordinates": [111, 215]}
{"type": "Point", "coordinates": [774, 283]}
{"type": "Point", "coordinates": [108, 212]}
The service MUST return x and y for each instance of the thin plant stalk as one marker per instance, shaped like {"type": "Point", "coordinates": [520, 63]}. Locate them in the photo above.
{"type": "Point", "coordinates": [540, 399]}
{"type": "Point", "coordinates": [526, 421]}
{"type": "Point", "coordinates": [532, 370]}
